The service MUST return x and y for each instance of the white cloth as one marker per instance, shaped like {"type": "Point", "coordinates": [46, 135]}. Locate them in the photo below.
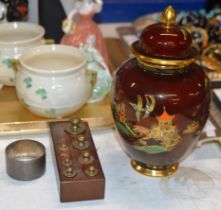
{"type": "Point", "coordinates": [196, 185]}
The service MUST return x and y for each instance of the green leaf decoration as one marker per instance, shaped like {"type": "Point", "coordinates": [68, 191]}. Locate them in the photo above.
{"type": "Point", "coordinates": [138, 114]}
{"type": "Point", "coordinates": [139, 102]}
{"type": "Point", "coordinates": [152, 149]}
{"type": "Point", "coordinates": [138, 107]}
{"type": "Point", "coordinates": [51, 111]}
{"type": "Point", "coordinates": [8, 62]}
{"type": "Point", "coordinates": [117, 107]}
{"type": "Point", "coordinates": [137, 111]}
{"type": "Point", "coordinates": [130, 130]}
{"type": "Point", "coordinates": [124, 128]}
{"type": "Point", "coordinates": [42, 93]}
{"type": "Point", "coordinates": [11, 79]}
{"type": "Point", "coordinates": [134, 106]}
{"type": "Point", "coordinates": [28, 82]}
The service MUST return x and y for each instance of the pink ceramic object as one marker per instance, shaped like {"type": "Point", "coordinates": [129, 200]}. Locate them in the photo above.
{"type": "Point", "coordinates": [83, 30]}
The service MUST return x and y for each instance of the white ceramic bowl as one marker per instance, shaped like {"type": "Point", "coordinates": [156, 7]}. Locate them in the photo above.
{"type": "Point", "coordinates": [15, 38]}
{"type": "Point", "coordinates": [52, 81]}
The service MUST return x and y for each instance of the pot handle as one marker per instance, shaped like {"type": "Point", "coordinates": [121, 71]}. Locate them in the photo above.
{"type": "Point", "coordinates": [209, 140]}
{"type": "Point", "coordinates": [15, 64]}
{"type": "Point", "coordinates": [92, 77]}
{"type": "Point", "coordinates": [48, 41]}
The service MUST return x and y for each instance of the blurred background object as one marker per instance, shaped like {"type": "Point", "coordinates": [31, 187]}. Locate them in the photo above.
{"type": "Point", "coordinates": [123, 10]}
{"type": "Point", "coordinates": [51, 15]}
{"type": "Point", "coordinates": [49, 12]}
{"type": "Point", "coordinates": [129, 10]}
{"type": "Point", "coordinates": [17, 10]}
{"type": "Point", "coordinates": [210, 4]}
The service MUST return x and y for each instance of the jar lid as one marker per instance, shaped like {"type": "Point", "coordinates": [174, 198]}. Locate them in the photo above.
{"type": "Point", "coordinates": [165, 45]}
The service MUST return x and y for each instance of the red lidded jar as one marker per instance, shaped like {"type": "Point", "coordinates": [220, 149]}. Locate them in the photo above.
{"type": "Point", "coordinates": [160, 98]}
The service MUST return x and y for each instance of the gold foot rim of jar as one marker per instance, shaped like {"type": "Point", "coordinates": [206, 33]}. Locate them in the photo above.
{"type": "Point", "coordinates": [153, 171]}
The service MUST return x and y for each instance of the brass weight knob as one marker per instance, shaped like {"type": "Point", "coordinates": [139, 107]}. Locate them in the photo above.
{"type": "Point", "coordinates": [76, 127]}
{"type": "Point", "coordinates": [67, 162]}
{"type": "Point", "coordinates": [91, 171]}
{"type": "Point", "coordinates": [86, 158]}
{"type": "Point", "coordinates": [81, 140]}
{"type": "Point", "coordinates": [81, 143]}
{"type": "Point", "coordinates": [63, 147]}
{"type": "Point", "coordinates": [69, 172]}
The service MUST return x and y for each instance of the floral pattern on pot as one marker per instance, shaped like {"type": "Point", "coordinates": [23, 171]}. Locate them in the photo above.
{"type": "Point", "coordinates": [12, 79]}
{"type": "Point", "coordinates": [51, 112]}
{"type": "Point", "coordinates": [42, 93]}
{"type": "Point", "coordinates": [8, 63]}
{"type": "Point", "coordinates": [158, 137]}
{"type": "Point", "coordinates": [28, 82]}
{"type": "Point", "coordinates": [11, 65]}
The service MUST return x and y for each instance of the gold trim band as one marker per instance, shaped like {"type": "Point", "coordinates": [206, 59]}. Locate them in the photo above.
{"type": "Point", "coordinates": [153, 171]}
{"type": "Point", "coordinates": [161, 63]}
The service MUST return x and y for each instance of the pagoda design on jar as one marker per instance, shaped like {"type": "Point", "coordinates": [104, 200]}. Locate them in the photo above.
{"type": "Point", "coordinates": [160, 98]}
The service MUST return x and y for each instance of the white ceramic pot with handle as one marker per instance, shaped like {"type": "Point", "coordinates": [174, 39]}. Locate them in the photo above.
{"type": "Point", "coordinates": [15, 38]}
{"type": "Point", "coordinates": [52, 80]}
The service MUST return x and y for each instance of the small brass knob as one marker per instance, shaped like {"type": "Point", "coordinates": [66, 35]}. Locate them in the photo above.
{"type": "Point", "coordinates": [75, 124]}
{"type": "Point", "coordinates": [86, 155]}
{"type": "Point", "coordinates": [67, 162]}
{"type": "Point", "coordinates": [69, 172]}
{"type": "Point", "coordinates": [91, 171]}
{"type": "Point", "coordinates": [76, 128]}
{"type": "Point", "coordinates": [63, 147]}
{"type": "Point", "coordinates": [81, 140]}
{"type": "Point", "coordinates": [76, 121]}
{"type": "Point", "coordinates": [86, 158]}
{"type": "Point", "coordinates": [81, 143]}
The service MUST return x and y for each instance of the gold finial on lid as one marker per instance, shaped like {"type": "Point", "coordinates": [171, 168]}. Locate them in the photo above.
{"type": "Point", "coordinates": [169, 16]}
